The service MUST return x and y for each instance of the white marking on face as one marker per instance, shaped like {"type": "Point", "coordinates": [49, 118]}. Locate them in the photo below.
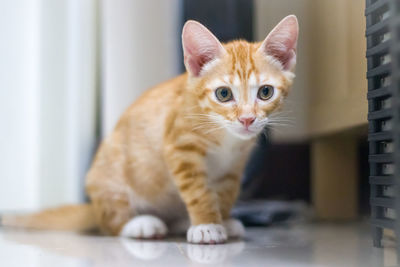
{"type": "Point", "coordinates": [252, 80]}
{"type": "Point", "coordinates": [236, 81]}
{"type": "Point", "coordinates": [226, 79]}
{"type": "Point", "coordinates": [214, 84]}
{"type": "Point", "coordinates": [269, 80]}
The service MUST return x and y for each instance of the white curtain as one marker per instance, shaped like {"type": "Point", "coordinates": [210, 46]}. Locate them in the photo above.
{"type": "Point", "coordinates": [47, 100]}
{"type": "Point", "coordinates": [19, 107]}
{"type": "Point", "coordinates": [68, 69]}
{"type": "Point", "coordinates": [140, 48]}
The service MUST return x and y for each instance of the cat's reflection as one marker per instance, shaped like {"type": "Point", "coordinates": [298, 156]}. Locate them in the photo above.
{"type": "Point", "coordinates": [102, 251]}
{"type": "Point", "coordinates": [212, 254]}
{"type": "Point", "coordinates": [206, 254]}
{"type": "Point", "coordinates": [145, 250]}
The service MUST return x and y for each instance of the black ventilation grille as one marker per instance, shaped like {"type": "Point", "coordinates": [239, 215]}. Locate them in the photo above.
{"type": "Point", "coordinates": [383, 113]}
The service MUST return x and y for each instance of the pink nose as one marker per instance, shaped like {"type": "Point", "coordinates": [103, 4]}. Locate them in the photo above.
{"type": "Point", "coordinates": [247, 121]}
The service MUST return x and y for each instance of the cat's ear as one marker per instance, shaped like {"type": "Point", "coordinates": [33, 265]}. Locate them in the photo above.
{"type": "Point", "coordinates": [200, 47]}
{"type": "Point", "coordinates": [281, 42]}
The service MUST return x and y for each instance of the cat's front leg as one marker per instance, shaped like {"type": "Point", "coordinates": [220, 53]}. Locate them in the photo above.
{"type": "Point", "coordinates": [188, 169]}
{"type": "Point", "coordinates": [227, 189]}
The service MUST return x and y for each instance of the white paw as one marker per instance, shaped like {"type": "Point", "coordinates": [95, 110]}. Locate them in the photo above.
{"type": "Point", "coordinates": [206, 234]}
{"type": "Point", "coordinates": [144, 226]}
{"type": "Point", "coordinates": [234, 228]}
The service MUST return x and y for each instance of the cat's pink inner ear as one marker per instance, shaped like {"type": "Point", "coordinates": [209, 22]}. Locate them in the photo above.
{"type": "Point", "coordinates": [200, 47]}
{"type": "Point", "coordinates": [281, 42]}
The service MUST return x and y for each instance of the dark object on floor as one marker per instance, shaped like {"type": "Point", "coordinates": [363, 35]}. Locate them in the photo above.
{"type": "Point", "coordinates": [268, 212]}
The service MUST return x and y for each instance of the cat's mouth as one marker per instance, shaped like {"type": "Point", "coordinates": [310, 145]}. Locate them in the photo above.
{"type": "Point", "coordinates": [244, 133]}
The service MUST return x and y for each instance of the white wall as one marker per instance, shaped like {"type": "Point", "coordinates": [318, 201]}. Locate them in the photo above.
{"type": "Point", "coordinates": [140, 46]}
{"type": "Point", "coordinates": [267, 15]}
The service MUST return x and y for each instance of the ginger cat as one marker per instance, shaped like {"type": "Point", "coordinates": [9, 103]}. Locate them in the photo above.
{"type": "Point", "coordinates": [178, 152]}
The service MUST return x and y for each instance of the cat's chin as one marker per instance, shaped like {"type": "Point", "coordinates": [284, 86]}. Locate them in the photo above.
{"type": "Point", "coordinates": [243, 134]}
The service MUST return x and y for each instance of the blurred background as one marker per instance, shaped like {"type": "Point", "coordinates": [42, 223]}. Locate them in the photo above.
{"type": "Point", "coordinates": [69, 68]}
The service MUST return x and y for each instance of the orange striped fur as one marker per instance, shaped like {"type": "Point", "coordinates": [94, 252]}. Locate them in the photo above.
{"type": "Point", "coordinates": [177, 152]}
{"type": "Point", "coordinates": [159, 148]}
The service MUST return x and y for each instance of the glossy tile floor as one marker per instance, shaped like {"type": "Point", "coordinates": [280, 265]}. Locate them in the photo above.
{"type": "Point", "coordinates": [302, 245]}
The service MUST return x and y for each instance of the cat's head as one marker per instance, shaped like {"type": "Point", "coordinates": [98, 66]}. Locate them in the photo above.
{"type": "Point", "coordinates": [240, 84]}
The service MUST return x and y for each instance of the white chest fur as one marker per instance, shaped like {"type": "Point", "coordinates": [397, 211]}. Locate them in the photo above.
{"type": "Point", "coordinates": [224, 158]}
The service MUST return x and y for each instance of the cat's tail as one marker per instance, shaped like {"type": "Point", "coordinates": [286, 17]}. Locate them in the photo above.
{"type": "Point", "coordinates": [66, 218]}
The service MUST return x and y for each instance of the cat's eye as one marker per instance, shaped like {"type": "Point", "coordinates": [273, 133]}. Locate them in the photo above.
{"type": "Point", "coordinates": [223, 94]}
{"type": "Point", "coordinates": [265, 92]}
